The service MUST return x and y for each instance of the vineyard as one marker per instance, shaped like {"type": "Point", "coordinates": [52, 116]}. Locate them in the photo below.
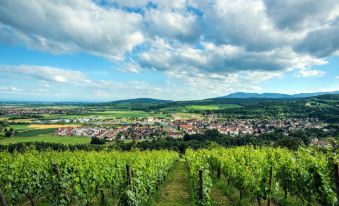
{"type": "Point", "coordinates": [265, 174]}
{"type": "Point", "coordinates": [248, 175]}
{"type": "Point", "coordinates": [83, 178]}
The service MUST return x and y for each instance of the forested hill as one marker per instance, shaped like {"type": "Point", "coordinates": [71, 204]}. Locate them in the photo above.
{"type": "Point", "coordinates": [275, 95]}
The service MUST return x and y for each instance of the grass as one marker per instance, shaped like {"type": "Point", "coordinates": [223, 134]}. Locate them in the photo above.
{"type": "Point", "coordinates": [230, 193]}
{"type": "Point", "coordinates": [197, 108]}
{"type": "Point", "coordinates": [128, 114]}
{"type": "Point", "coordinates": [46, 138]}
{"type": "Point", "coordinates": [175, 189]}
{"type": "Point", "coordinates": [26, 134]}
{"type": "Point", "coordinates": [20, 127]}
{"type": "Point", "coordinates": [217, 195]}
{"type": "Point", "coordinates": [224, 194]}
{"type": "Point", "coordinates": [107, 114]}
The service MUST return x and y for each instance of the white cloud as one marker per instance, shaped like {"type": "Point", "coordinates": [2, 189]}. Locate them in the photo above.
{"type": "Point", "coordinates": [10, 90]}
{"type": "Point", "coordinates": [222, 58]}
{"type": "Point", "coordinates": [230, 44]}
{"type": "Point", "coordinates": [69, 84]}
{"type": "Point", "coordinates": [46, 73]}
{"type": "Point", "coordinates": [71, 26]}
{"type": "Point", "coordinates": [260, 28]}
{"type": "Point", "coordinates": [209, 85]}
{"type": "Point", "coordinates": [173, 25]}
{"type": "Point", "coordinates": [14, 89]}
{"type": "Point", "coordinates": [129, 67]}
{"type": "Point", "coordinates": [310, 73]}
{"type": "Point", "coordinates": [301, 14]}
{"type": "Point", "coordinates": [163, 4]}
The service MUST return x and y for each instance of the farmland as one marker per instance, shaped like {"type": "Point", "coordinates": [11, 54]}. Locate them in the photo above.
{"type": "Point", "coordinates": [40, 133]}
{"type": "Point", "coordinates": [142, 119]}
{"type": "Point", "coordinates": [195, 108]}
{"type": "Point", "coordinates": [218, 176]}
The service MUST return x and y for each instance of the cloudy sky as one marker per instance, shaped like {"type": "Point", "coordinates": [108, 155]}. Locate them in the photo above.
{"type": "Point", "coordinates": [100, 50]}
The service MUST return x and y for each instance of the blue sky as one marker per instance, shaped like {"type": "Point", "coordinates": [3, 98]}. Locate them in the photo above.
{"type": "Point", "coordinates": [105, 50]}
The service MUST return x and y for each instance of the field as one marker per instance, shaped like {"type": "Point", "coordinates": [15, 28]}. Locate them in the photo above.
{"type": "Point", "coordinates": [49, 126]}
{"type": "Point", "coordinates": [46, 138]}
{"type": "Point", "coordinates": [127, 114]}
{"type": "Point", "coordinates": [40, 133]}
{"type": "Point", "coordinates": [32, 132]}
{"type": "Point", "coordinates": [197, 108]}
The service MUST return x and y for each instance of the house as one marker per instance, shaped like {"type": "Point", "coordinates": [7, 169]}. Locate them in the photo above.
{"type": "Point", "coordinates": [175, 134]}
{"type": "Point", "coordinates": [110, 136]}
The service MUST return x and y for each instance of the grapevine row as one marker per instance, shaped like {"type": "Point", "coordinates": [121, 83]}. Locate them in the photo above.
{"type": "Point", "coordinates": [261, 173]}
{"type": "Point", "coordinates": [65, 178]}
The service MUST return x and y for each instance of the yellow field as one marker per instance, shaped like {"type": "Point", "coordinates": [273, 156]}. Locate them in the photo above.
{"type": "Point", "coordinates": [187, 116]}
{"type": "Point", "coordinates": [16, 120]}
{"type": "Point", "coordinates": [22, 120]}
{"type": "Point", "coordinates": [47, 126]}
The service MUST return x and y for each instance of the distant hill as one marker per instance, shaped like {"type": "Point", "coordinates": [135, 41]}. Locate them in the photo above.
{"type": "Point", "coordinates": [142, 100]}
{"type": "Point", "coordinates": [275, 95]}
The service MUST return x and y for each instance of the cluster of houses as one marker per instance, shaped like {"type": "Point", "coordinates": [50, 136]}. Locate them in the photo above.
{"type": "Point", "coordinates": [235, 127]}
{"type": "Point", "coordinates": [142, 132]}
{"type": "Point", "coordinates": [121, 132]}
{"type": "Point", "coordinates": [100, 132]}
{"type": "Point", "coordinates": [177, 128]}
{"type": "Point", "coordinates": [194, 128]}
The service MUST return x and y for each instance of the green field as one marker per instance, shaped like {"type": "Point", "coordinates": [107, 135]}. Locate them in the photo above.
{"type": "Point", "coordinates": [127, 114]}
{"type": "Point", "coordinates": [21, 127]}
{"type": "Point", "coordinates": [109, 114]}
{"type": "Point", "coordinates": [197, 108]}
{"type": "Point", "coordinates": [46, 138]}
{"type": "Point", "coordinates": [25, 134]}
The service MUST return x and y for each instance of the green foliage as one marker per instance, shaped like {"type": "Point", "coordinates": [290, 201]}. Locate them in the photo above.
{"type": "Point", "coordinates": [97, 140]}
{"type": "Point", "coordinates": [10, 132]}
{"type": "Point", "coordinates": [196, 161]}
{"type": "Point", "coordinates": [305, 174]}
{"type": "Point", "coordinates": [76, 178]}
{"type": "Point", "coordinates": [290, 143]}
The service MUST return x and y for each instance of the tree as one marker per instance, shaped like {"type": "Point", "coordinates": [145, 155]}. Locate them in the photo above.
{"type": "Point", "coordinates": [290, 143]}
{"type": "Point", "coordinates": [10, 132]}
{"type": "Point", "coordinates": [97, 140]}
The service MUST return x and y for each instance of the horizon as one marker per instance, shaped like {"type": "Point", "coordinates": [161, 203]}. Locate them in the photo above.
{"type": "Point", "coordinates": [170, 100]}
{"type": "Point", "coordinates": [109, 50]}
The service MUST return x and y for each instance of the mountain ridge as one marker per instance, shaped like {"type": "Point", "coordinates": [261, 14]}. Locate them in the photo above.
{"type": "Point", "coordinates": [275, 95]}
{"type": "Point", "coordinates": [142, 100]}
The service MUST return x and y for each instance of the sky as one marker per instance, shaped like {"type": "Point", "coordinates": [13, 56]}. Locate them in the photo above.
{"type": "Point", "coordinates": [104, 50]}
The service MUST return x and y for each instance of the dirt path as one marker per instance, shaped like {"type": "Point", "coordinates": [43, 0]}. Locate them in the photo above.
{"type": "Point", "coordinates": [175, 191]}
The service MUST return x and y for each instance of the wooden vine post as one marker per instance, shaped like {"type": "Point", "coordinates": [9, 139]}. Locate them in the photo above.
{"type": "Point", "coordinates": [336, 178]}
{"type": "Point", "coordinates": [270, 186]}
{"type": "Point", "coordinates": [219, 173]}
{"type": "Point", "coordinates": [56, 170]}
{"type": "Point", "coordinates": [129, 175]}
{"type": "Point", "coordinates": [3, 199]}
{"type": "Point", "coordinates": [201, 186]}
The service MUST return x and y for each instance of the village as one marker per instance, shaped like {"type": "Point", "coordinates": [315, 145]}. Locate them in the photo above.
{"type": "Point", "coordinates": [161, 128]}
{"type": "Point", "coordinates": [121, 132]}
